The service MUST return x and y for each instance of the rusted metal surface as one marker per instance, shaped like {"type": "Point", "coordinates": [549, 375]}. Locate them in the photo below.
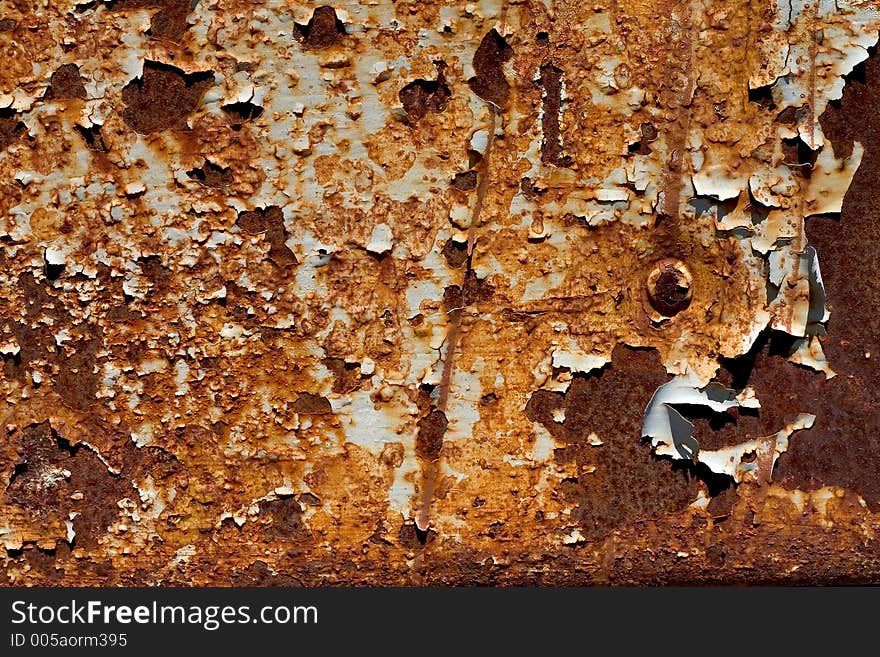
{"type": "Point", "coordinates": [429, 293]}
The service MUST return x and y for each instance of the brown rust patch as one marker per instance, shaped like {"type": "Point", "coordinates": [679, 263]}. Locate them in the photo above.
{"type": "Point", "coordinates": [465, 181]}
{"type": "Point", "coordinates": [211, 175]}
{"type": "Point", "coordinates": [489, 83]}
{"type": "Point", "coordinates": [475, 290]}
{"type": "Point", "coordinates": [324, 30]}
{"type": "Point", "coordinates": [66, 84]}
{"type": "Point", "coordinates": [551, 141]}
{"type": "Point", "coordinates": [310, 403]}
{"type": "Point", "coordinates": [258, 573]}
{"type": "Point", "coordinates": [422, 96]}
{"type": "Point", "coordinates": [163, 97]}
{"type": "Point", "coordinates": [429, 440]}
{"type": "Point", "coordinates": [169, 22]}
{"type": "Point", "coordinates": [453, 298]}
{"type": "Point", "coordinates": [455, 253]}
{"type": "Point", "coordinates": [286, 515]}
{"type": "Point", "coordinates": [77, 380]}
{"type": "Point", "coordinates": [152, 365]}
{"type": "Point", "coordinates": [10, 128]}
{"type": "Point", "coordinates": [843, 447]}
{"type": "Point", "coordinates": [628, 483]}
{"type": "Point", "coordinates": [269, 222]}
{"type": "Point", "coordinates": [346, 376]}
{"type": "Point", "coordinates": [93, 138]}
{"type": "Point", "coordinates": [53, 479]}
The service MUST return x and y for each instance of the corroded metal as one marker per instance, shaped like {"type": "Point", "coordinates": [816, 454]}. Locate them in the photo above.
{"type": "Point", "coordinates": [490, 292]}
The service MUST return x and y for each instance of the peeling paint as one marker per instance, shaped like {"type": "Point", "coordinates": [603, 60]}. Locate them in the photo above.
{"type": "Point", "coordinates": [380, 292]}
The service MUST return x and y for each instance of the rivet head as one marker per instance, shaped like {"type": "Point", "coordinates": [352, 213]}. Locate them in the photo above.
{"type": "Point", "coordinates": [670, 287]}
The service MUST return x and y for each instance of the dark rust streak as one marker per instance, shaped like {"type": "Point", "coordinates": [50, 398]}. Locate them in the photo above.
{"type": "Point", "coordinates": [667, 231]}
{"type": "Point", "coordinates": [431, 468]}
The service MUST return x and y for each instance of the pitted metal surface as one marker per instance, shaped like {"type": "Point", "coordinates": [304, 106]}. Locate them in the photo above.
{"type": "Point", "coordinates": [528, 292]}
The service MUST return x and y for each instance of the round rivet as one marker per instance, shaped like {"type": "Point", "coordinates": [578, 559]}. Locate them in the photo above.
{"type": "Point", "coordinates": [670, 287]}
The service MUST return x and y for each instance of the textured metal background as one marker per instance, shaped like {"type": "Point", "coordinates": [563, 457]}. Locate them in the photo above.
{"type": "Point", "coordinates": [358, 295]}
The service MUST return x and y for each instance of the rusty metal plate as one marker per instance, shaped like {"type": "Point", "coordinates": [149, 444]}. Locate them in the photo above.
{"type": "Point", "coordinates": [535, 292]}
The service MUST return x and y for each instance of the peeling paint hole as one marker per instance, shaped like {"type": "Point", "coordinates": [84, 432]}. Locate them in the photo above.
{"type": "Point", "coordinates": [411, 537]}
{"type": "Point", "coordinates": [740, 368]}
{"type": "Point", "coordinates": [13, 359]}
{"type": "Point", "coordinates": [10, 128]}
{"type": "Point", "coordinates": [721, 504]}
{"type": "Point", "coordinates": [669, 287]}
{"type": "Point", "coordinates": [53, 271]}
{"type": "Point", "coordinates": [323, 30]}
{"type": "Point", "coordinates": [798, 155]}
{"type": "Point", "coordinates": [19, 470]}
{"type": "Point", "coordinates": [715, 483]}
{"type": "Point", "coordinates": [309, 499]}
{"type": "Point", "coordinates": [465, 182]}
{"type": "Point", "coordinates": [763, 97]}
{"type": "Point", "coordinates": [542, 38]}
{"type": "Point", "coordinates": [489, 83]}
{"type": "Point", "coordinates": [66, 84]}
{"type": "Point", "coordinates": [716, 421]}
{"type": "Point", "coordinates": [163, 97]}
{"type": "Point", "coordinates": [453, 298]}
{"type": "Point", "coordinates": [346, 376]}
{"type": "Point", "coordinates": [715, 430]}
{"type": "Point", "coordinates": [269, 221]}
{"type": "Point", "coordinates": [310, 403]}
{"type": "Point", "coordinates": [93, 138]}
{"type": "Point", "coordinates": [8, 24]}
{"type": "Point", "coordinates": [649, 134]}
{"type": "Point", "coordinates": [241, 112]}
{"type": "Point", "coordinates": [529, 189]}
{"type": "Point", "coordinates": [422, 535]}
{"type": "Point", "coordinates": [859, 73]}
{"type": "Point", "coordinates": [455, 253]}
{"type": "Point", "coordinates": [422, 96]}
{"type": "Point", "coordinates": [212, 175]}
{"type": "Point", "coordinates": [170, 22]}
{"type": "Point", "coordinates": [551, 143]}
